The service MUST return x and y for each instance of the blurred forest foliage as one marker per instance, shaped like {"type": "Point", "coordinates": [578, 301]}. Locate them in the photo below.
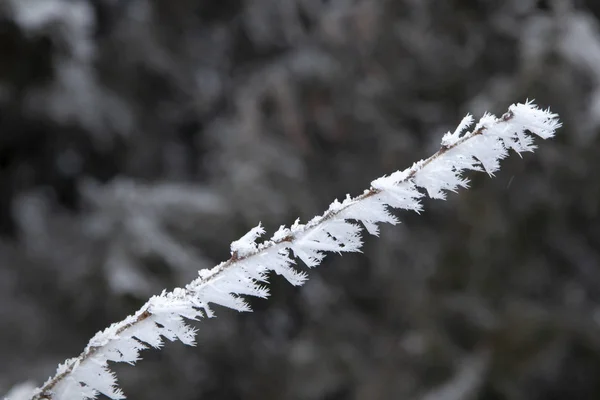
{"type": "Point", "coordinates": [138, 138]}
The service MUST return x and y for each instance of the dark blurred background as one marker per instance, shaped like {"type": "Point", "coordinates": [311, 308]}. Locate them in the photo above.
{"type": "Point", "coordinates": [138, 138]}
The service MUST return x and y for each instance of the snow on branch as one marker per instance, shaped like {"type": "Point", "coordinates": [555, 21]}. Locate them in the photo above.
{"type": "Point", "coordinates": [337, 230]}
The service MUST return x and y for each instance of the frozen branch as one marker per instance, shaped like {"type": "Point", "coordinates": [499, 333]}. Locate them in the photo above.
{"type": "Point", "coordinates": [337, 230]}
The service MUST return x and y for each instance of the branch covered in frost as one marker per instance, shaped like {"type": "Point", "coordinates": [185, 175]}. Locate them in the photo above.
{"type": "Point", "coordinates": [337, 230]}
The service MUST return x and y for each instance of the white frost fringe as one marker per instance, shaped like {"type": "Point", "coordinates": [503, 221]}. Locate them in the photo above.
{"type": "Point", "coordinates": [245, 273]}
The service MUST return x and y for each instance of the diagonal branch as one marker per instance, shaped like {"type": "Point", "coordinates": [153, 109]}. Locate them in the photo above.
{"type": "Point", "coordinates": [245, 273]}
